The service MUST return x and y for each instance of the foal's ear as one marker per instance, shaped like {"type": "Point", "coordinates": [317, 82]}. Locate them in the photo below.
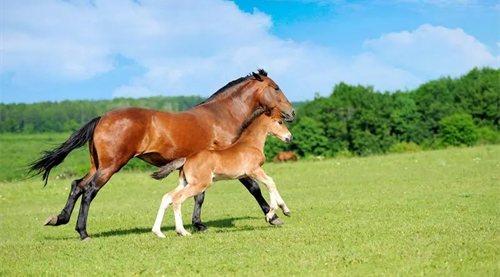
{"type": "Point", "coordinates": [257, 77]}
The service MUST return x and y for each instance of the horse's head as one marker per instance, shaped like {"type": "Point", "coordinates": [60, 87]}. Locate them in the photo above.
{"type": "Point", "coordinates": [270, 96]}
{"type": "Point", "coordinates": [277, 128]}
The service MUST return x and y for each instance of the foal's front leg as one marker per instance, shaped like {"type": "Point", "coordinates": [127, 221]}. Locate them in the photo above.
{"type": "Point", "coordinates": [253, 187]}
{"type": "Point", "coordinates": [275, 197]}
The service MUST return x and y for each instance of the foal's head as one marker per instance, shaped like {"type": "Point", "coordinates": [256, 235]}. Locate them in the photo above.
{"type": "Point", "coordinates": [277, 128]}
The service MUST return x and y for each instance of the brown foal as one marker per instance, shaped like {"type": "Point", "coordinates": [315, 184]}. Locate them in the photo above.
{"type": "Point", "coordinates": [244, 158]}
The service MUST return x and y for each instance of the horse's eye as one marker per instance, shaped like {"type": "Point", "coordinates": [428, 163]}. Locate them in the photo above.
{"type": "Point", "coordinates": [280, 122]}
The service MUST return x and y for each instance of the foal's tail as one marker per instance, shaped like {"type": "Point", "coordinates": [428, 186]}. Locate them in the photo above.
{"type": "Point", "coordinates": [165, 170]}
{"type": "Point", "coordinates": [53, 158]}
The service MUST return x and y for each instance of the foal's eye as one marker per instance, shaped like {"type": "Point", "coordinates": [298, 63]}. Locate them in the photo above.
{"type": "Point", "coordinates": [280, 122]}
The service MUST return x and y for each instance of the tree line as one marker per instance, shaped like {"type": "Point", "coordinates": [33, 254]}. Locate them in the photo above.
{"type": "Point", "coordinates": [69, 116]}
{"type": "Point", "coordinates": [357, 120]}
{"type": "Point", "coordinates": [353, 120]}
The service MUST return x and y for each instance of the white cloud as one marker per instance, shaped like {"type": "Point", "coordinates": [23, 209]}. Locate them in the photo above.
{"type": "Point", "coordinates": [196, 46]}
{"type": "Point", "coordinates": [432, 51]}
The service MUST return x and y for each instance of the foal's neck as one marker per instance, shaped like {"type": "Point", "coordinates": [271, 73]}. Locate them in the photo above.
{"type": "Point", "coordinates": [255, 135]}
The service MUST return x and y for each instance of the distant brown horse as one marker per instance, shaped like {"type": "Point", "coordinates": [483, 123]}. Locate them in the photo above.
{"type": "Point", "coordinates": [243, 158]}
{"type": "Point", "coordinates": [285, 156]}
{"type": "Point", "coordinates": [159, 137]}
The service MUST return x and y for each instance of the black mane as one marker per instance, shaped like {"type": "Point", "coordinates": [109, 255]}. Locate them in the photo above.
{"type": "Point", "coordinates": [258, 112]}
{"type": "Point", "coordinates": [231, 84]}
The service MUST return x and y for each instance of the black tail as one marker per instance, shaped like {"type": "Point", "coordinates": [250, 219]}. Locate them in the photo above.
{"type": "Point", "coordinates": [51, 159]}
{"type": "Point", "coordinates": [165, 170]}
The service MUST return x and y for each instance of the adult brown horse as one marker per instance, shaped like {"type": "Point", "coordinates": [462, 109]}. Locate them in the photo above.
{"type": "Point", "coordinates": [159, 137]}
{"type": "Point", "coordinates": [285, 156]}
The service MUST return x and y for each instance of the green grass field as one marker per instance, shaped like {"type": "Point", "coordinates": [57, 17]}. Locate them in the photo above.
{"type": "Point", "coordinates": [433, 213]}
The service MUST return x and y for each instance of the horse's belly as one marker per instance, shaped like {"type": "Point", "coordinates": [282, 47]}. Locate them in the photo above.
{"type": "Point", "coordinates": [154, 159]}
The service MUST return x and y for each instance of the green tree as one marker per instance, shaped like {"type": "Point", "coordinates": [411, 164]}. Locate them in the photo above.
{"type": "Point", "coordinates": [309, 137]}
{"type": "Point", "coordinates": [458, 129]}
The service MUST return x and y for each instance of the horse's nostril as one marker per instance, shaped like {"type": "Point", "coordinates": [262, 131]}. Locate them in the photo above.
{"type": "Point", "coordinates": [293, 113]}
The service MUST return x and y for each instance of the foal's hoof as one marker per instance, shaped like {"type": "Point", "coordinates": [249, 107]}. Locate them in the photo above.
{"type": "Point", "coordinates": [276, 221]}
{"type": "Point", "coordinates": [159, 234]}
{"type": "Point", "coordinates": [86, 239]}
{"type": "Point", "coordinates": [51, 221]}
{"type": "Point", "coordinates": [183, 233]}
{"type": "Point", "coordinates": [287, 213]}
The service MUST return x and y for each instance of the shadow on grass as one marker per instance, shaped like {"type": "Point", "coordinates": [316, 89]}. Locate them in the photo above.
{"type": "Point", "coordinates": [219, 223]}
{"type": "Point", "coordinates": [225, 223]}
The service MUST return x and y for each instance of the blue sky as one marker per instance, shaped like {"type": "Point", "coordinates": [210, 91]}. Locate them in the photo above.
{"type": "Point", "coordinates": [57, 50]}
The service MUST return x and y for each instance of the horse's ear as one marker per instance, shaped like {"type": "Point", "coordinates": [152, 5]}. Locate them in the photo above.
{"type": "Point", "coordinates": [257, 77]}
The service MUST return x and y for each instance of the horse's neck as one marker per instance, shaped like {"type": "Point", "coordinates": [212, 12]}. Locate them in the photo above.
{"type": "Point", "coordinates": [255, 135]}
{"type": "Point", "coordinates": [234, 108]}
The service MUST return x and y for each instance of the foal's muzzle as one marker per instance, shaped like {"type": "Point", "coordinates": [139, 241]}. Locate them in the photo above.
{"type": "Point", "coordinates": [288, 138]}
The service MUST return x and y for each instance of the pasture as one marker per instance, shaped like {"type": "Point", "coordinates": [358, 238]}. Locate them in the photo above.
{"type": "Point", "coordinates": [428, 213]}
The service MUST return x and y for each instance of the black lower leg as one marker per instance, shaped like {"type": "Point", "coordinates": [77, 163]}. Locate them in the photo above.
{"type": "Point", "coordinates": [88, 196]}
{"type": "Point", "coordinates": [66, 212]}
{"type": "Point", "coordinates": [254, 189]}
{"type": "Point", "coordinates": [198, 202]}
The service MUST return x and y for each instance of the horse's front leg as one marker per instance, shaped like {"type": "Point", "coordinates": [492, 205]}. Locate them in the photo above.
{"type": "Point", "coordinates": [254, 189]}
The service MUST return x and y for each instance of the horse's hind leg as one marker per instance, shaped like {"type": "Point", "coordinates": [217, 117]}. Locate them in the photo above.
{"type": "Point", "coordinates": [254, 189]}
{"type": "Point", "coordinates": [65, 215]}
{"type": "Point", "coordinates": [95, 182]}
{"type": "Point", "coordinates": [198, 202]}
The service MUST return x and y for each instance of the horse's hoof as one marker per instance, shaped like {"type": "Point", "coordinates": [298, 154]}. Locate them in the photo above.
{"type": "Point", "coordinates": [276, 221]}
{"type": "Point", "coordinates": [200, 227]}
{"type": "Point", "coordinates": [287, 213]}
{"type": "Point", "coordinates": [86, 239]}
{"type": "Point", "coordinates": [51, 221]}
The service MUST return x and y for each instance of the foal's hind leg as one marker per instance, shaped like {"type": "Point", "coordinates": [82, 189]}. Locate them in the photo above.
{"type": "Point", "coordinates": [65, 215]}
{"type": "Point", "coordinates": [177, 199]}
{"type": "Point", "coordinates": [165, 202]}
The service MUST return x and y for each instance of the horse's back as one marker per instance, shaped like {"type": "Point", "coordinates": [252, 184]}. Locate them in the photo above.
{"type": "Point", "coordinates": [152, 135]}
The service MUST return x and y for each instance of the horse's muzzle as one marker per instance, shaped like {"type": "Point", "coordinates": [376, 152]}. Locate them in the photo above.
{"type": "Point", "coordinates": [289, 117]}
{"type": "Point", "coordinates": [289, 138]}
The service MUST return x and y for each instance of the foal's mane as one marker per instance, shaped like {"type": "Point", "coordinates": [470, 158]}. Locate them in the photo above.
{"type": "Point", "coordinates": [225, 88]}
{"type": "Point", "coordinates": [258, 112]}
